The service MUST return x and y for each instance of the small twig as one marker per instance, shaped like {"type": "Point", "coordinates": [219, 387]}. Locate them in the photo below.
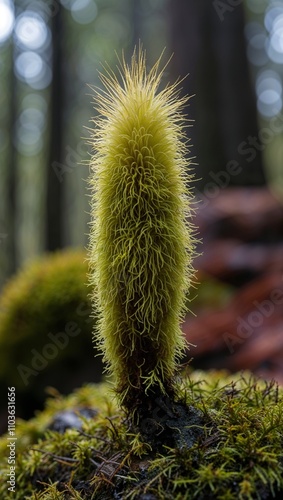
{"type": "Point", "coordinates": [113, 426]}
{"type": "Point", "coordinates": [56, 457]}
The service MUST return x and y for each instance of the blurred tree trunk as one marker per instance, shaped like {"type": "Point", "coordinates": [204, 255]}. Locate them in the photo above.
{"type": "Point", "coordinates": [209, 45]}
{"type": "Point", "coordinates": [10, 234]}
{"type": "Point", "coordinates": [54, 222]}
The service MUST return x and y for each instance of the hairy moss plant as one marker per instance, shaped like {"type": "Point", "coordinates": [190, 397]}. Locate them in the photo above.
{"type": "Point", "coordinates": [141, 246]}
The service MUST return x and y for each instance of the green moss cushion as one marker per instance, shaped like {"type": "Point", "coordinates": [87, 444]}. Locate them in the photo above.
{"type": "Point", "coordinates": [46, 326]}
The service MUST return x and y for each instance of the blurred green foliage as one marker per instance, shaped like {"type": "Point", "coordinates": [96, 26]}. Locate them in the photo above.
{"type": "Point", "coordinates": [209, 294]}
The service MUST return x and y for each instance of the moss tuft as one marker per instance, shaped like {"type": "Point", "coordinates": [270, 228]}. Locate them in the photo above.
{"type": "Point", "coordinates": [237, 455]}
{"type": "Point", "coordinates": [141, 245]}
{"type": "Point", "coordinates": [45, 318]}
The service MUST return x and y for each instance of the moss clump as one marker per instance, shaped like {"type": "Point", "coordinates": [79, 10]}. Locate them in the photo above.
{"type": "Point", "coordinates": [237, 455]}
{"type": "Point", "coordinates": [45, 320]}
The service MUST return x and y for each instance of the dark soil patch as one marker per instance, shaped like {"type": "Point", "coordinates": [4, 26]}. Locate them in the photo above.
{"type": "Point", "coordinates": [165, 422]}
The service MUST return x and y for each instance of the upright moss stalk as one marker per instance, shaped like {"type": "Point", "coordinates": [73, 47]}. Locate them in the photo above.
{"type": "Point", "coordinates": [141, 244]}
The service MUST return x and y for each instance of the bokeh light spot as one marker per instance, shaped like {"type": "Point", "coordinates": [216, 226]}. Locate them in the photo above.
{"type": "Point", "coordinates": [31, 31]}
{"type": "Point", "coordinates": [32, 115]}
{"type": "Point", "coordinates": [271, 15]}
{"type": "Point", "coordinates": [269, 102]}
{"type": "Point", "coordinates": [28, 137]}
{"type": "Point", "coordinates": [67, 3]}
{"type": "Point", "coordinates": [268, 79]}
{"type": "Point", "coordinates": [6, 20]}
{"type": "Point", "coordinates": [84, 11]}
{"type": "Point", "coordinates": [28, 66]}
{"type": "Point", "coordinates": [256, 49]}
{"type": "Point", "coordinates": [31, 69]}
{"type": "Point", "coordinates": [36, 101]}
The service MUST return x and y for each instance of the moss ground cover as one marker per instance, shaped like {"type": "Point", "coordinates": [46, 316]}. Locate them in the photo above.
{"type": "Point", "coordinates": [237, 453]}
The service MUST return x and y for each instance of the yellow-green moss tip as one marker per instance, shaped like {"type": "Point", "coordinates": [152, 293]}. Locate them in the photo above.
{"type": "Point", "coordinates": [141, 245]}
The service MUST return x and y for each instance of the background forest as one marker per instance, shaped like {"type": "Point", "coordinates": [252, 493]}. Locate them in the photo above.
{"type": "Point", "coordinates": [232, 51]}
{"type": "Point", "coordinates": [50, 51]}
